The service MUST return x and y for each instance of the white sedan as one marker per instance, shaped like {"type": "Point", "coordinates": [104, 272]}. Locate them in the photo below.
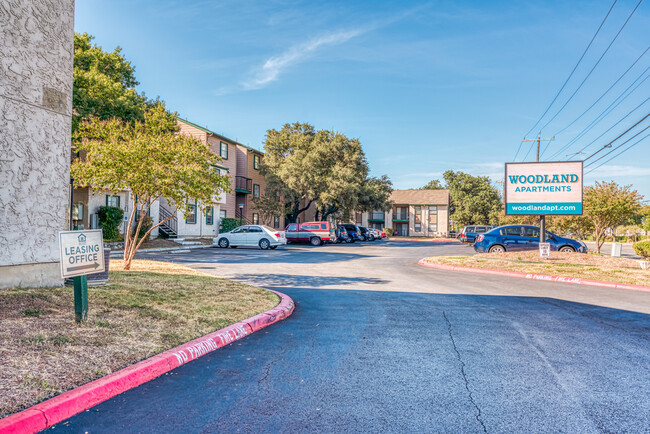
{"type": "Point", "coordinates": [251, 235]}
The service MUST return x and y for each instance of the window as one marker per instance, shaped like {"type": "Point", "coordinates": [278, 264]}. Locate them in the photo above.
{"type": "Point", "coordinates": [191, 213]}
{"type": "Point", "coordinates": [323, 225]}
{"type": "Point", "coordinates": [256, 219]}
{"type": "Point", "coordinates": [215, 168]}
{"type": "Point", "coordinates": [514, 231]}
{"type": "Point", "coordinates": [256, 190]}
{"type": "Point", "coordinates": [357, 218]}
{"type": "Point", "coordinates": [113, 200]}
{"type": "Point", "coordinates": [254, 228]}
{"type": "Point", "coordinates": [292, 227]}
{"type": "Point", "coordinates": [276, 222]}
{"type": "Point", "coordinates": [222, 214]}
{"type": "Point", "coordinates": [309, 227]}
{"type": "Point", "coordinates": [531, 232]}
{"type": "Point", "coordinates": [256, 162]}
{"type": "Point", "coordinates": [78, 211]}
{"type": "Point", "coordinates": [401, 213]}
{"type": "Point", "coordinates": [223, 150]}
{"type": "Point", "coordinates": [417, 227]}
{"type": "Point", "coordinates": [433, 218]}
{"type": "Point", "coordinates": [209, 215]}
{"type": "Point", "coordinates": [239, 230]}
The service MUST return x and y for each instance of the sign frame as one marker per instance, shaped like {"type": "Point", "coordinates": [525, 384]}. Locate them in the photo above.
{"type": "Point", "coordinates": [505, 186]}
{"type": "Point", "coordinates": [99, 264]}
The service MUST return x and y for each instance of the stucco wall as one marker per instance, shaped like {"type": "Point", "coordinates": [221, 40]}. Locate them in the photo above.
{"type": "Point", "coordinates": [36, 57]}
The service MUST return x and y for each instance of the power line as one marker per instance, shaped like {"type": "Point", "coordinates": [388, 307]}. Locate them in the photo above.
{"type": "Point", "coordinates": [606, 154]}
{"type": "Point", "coordinates": [621, 135]}
{"type": "Point", "coordinates": [570, 75]}
{"type": "Point", "coordinates": [606, 112]}
{"type": "Point", "coordinates": [518, 149]}
{"type": "Point", "coordinates": [605, 93]}
{"type": "Point", "coordinates": [594, 67]}
{"type": "Point", "coordinates": [620, 153]}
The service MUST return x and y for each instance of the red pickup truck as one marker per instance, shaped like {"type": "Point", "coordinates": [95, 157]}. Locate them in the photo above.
{"type": "Point", "coordinates": [314, 233]}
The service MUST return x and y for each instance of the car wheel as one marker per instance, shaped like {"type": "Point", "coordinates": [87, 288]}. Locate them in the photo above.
{"type": "Point", "coordinates": [567, 249]}
{"type": "Point", "coordinates": [372, 238]}
{"type": "Point", "coordinates": [223, 243]}
{"type": "Point", "coordinates": [362, 238]}
{"type": "Point", "coordinates": [349, 240]}
{"type": "Point", "coordinates": [496, 249]}
{"type": "Point", "coordinates": [264, 244]}
{"type": "Point", "coordinates": [315, 241]}
{"type": "Point", "coordinates": [273, 247]}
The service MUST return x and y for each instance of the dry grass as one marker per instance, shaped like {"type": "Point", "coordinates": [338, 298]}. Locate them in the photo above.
{"type": "Point", "coordinates": [153, 307]}
{"type": "Point", "coordinates": [594, 267]}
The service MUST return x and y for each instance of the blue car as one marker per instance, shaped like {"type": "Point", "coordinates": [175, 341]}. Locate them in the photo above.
{"type": "Point", "coordinates": [514, 238]}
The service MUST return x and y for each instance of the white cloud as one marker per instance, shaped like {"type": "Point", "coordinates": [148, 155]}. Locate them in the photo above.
{"type": "Point", "coordinates": [274, 66]}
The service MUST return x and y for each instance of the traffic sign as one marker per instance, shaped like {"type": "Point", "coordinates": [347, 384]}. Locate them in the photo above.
{"type": "Point", "coordinates": [544, 250]}
{"type": "Point", "coordinates": [81, 252]}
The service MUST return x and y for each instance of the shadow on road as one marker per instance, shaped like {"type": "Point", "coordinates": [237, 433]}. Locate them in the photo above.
{"type": "Point", "coordinates": [291, 280]}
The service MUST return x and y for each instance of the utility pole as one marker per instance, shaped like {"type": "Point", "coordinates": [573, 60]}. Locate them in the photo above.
{"type": "Point", "coordinates": [542, 218]}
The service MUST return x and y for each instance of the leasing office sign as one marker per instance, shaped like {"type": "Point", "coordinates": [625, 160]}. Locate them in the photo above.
{"type": "Point", "coordinates": [550, 188]}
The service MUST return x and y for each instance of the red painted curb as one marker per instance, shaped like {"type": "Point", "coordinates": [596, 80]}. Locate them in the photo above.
{"type": "Point", "coordinates": [432, 240]}
{"type": "Point", "coordinates": [61, 407]}
{"type": "Point", "coordinates": [561, 279]}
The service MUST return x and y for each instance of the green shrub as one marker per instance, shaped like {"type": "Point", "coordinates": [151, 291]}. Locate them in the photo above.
{"type": "Point", "coordinates": [642, 248]}
{"type": "Point", "coordinates": [110, 218]}
{"type": "Point", "coordinates": [389, 231]}
{"type": "Point", "coordinates": [228, 224]}
{"type": "Point", "coordinates": [147, 222]}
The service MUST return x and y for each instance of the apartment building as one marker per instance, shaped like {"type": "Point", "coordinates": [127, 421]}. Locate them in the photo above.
{"type": "Point", "coordinates": [249, 184]}
{"type": "Point", "coordinates": [414, 213]}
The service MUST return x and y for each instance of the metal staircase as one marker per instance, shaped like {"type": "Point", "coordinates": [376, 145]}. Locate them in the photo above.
{"type": "Point", "coordinates": [168, 229]}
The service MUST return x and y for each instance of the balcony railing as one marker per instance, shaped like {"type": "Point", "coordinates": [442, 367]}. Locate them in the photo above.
{"type": "Point", "coordinates": [399, 214]}
{"type": "Point", "coordinates": [243, 184]}
{"type": "Point", "coordinates": [376, 216]}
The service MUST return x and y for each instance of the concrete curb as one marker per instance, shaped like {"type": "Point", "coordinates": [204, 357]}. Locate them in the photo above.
{"type": "Point", "coordinates": [546, 277]}
{"type": "Point", "coordinates": [61, 407]}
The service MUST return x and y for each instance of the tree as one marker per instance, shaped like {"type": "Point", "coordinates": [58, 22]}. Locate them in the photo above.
{"type": "Point", "coordinates": [607, 205]}
{"type": "Point", "coordinates": [473, 199]}
{"type": "Point", "coordinates": [434, 184]}
{"type": "Point", "coordinates": [149, 159]}
{"type": "Point", "coordinates": [104, 84]}
{"type": "Point", "coordinates": [304, 167]}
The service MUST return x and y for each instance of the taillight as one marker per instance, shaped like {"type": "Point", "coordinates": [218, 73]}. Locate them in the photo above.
{"type": "Point", "coordinates": [278, 234]}
{"type": "Point", "coordinates": [479, 238]}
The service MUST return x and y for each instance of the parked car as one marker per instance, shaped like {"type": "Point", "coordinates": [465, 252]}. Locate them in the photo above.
{"type": "Point", "coordinates": [383, 234]}
{"type": "Point", "coordinates": [512, 238]}
{"type": "Point", "coordinates": [341, 234]}
{"type": "Point", "coordinates": [376, 233]}
{"type": "Point", "coordinates": [354, 233]}
{"type": "Point", "coordinates": [314, 233]}
{"type": "Point", "coordinates": [251, 235]}
{"type": "Point", "coordinates": [468, 234]}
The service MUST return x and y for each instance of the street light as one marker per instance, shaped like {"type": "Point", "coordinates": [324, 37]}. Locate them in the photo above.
{"type": "Point", "coordinates": [241, 214]}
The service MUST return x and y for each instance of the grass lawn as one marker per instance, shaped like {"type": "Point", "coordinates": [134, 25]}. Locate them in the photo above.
{"type": "Point", "coordinates": [140, 313]}
{"type": "Point", "coordinates": [586, 266]}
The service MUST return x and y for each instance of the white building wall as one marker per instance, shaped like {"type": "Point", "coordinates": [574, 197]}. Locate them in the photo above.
{"type": "Point", "coordinates": [200, 228]}
{"type": "Point", "coordinates": [36, 59]}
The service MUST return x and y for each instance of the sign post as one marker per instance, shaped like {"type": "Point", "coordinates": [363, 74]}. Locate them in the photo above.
{"type": "Point", "coordinates": [81, 253]}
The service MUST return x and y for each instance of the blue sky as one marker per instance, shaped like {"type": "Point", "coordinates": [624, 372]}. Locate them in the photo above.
{"type": "Point", "coordinates": [425, 86]}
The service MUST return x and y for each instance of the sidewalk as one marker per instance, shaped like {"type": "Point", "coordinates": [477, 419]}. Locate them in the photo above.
{"type": "Point", "coordinates": [116, 254]}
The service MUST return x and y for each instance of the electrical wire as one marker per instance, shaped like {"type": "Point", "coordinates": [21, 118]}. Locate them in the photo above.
{"type": "Point", "coordinates": [620, 135]}
{"type": "Point", "coordinates": [604, 93]}
{"type": "Point", "coordinates": [595, 65]}
{"type": "Point", "coordinates": [605, 113]}
{"type": "Point", "coordinates": [609, 145]}
{"type": "Point", "coordinates": [619, 154]}
{"type": "Point", "coordinates": [574, 70]}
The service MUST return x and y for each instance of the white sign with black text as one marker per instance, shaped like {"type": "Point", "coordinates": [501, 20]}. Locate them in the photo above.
{"type": "Point", "coordinates": [544, 250]}
{"type": "Point", "coordinates": [81, 252]}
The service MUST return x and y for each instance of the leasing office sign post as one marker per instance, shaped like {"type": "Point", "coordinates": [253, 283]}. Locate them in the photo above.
{"type": "Point", "coordinates": [545, 188]}
{"type": "Point", "coordinates": [81, 253]}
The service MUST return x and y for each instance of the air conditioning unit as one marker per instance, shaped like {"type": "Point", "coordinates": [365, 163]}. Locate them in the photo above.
{"type": "Point", "coordinates": [94, 221]}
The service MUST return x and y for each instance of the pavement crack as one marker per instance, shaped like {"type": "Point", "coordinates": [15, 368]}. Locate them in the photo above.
{"type": "Point", "coordinates": [464, 375]}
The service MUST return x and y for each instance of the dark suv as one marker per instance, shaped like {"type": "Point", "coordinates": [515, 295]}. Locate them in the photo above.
{"type": "Point", "coordinates": [354, 234]}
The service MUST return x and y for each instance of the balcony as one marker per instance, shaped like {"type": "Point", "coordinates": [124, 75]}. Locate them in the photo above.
{"type": "Point", "coordinates": [243, 185]}
{"type": "Point", "coordinates": [400, 215]}
{"type": "Point", "coordinates": [376, 216]}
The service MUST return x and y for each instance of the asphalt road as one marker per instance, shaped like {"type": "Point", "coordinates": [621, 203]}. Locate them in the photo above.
{"type": "Point", "coordinates": [378, 343]}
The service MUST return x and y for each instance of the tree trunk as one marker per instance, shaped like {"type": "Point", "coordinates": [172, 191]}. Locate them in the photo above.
{"type": "Point", "coordinates": [600, 234]}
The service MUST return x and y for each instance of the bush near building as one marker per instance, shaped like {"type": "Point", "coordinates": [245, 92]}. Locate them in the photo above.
{"type": "Point", "coordinates": [109, 219]}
